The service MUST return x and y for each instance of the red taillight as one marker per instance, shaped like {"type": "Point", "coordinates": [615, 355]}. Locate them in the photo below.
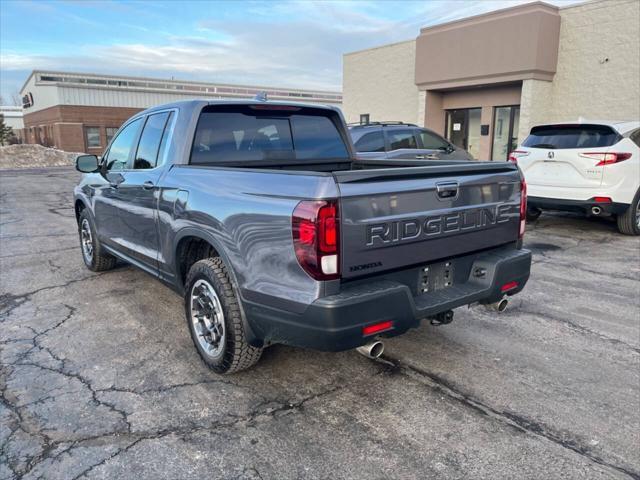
{"type": "Point", "coordinates": [513, 156]}
{"type": "Point", "coordinates": [316, 235]}
{"type": "Point", "coordinates": [602, 199]}
{"type": "Point", "coordinates": [606, 158]}
{"type": "Point", "coordinates": [508, 286]}
{"type": "Point", "coordinates": [377, 328]}
{"type": "Point", "coordinates": [523, 207]}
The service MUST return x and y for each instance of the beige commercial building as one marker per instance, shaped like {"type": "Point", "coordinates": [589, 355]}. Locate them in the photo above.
{"type": "Point", "coordinates": [484, 81]}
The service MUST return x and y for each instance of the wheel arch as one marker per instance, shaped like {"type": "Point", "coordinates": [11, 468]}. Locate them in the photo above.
{"type": "Point", "coordinates": [188, 247]}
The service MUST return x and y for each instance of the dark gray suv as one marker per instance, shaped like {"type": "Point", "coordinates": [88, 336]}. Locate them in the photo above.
{"type": "Point", "coordinates": [403, 140]}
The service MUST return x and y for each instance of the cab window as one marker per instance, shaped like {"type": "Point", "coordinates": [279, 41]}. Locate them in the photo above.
{"type": "Point", "coordinates": [147, 154]}
{"type": "Point", "coordinates": [118, 156]}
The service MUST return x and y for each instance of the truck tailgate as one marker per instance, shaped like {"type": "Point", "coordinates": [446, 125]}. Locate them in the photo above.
{"type": "Point", "coordinates": [394, 218]}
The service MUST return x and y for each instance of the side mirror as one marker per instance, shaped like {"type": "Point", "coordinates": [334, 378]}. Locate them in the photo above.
{"type": "Point", "coordinates": [87, 163]}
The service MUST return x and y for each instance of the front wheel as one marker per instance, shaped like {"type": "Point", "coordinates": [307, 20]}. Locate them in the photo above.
{"type": "Point", "coordinates": [215, 320]}
{"type": "Point", "coordinates": [629, 221]}
{"type": "Point", "coordinates": [95, 258]}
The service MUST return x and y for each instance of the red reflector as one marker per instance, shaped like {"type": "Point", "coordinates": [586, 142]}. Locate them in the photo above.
{"type": "Point", "coordinates": [602, 199]}
{"type": "Point", "coordinates": [509, 286]}
{"type": "Point", "coordinates": [377, 327]}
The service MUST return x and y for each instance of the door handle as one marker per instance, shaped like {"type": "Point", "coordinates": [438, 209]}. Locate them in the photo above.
{"type": "Point", "coordinates": [148, 185]}
{"type": "Point", "coordinates": [432, 156]}
{"type": "Point", "coordinates": [420, 157]}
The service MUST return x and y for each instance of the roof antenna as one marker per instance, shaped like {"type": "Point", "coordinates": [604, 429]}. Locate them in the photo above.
{"type": "Point", "coordinates": [261, 97]}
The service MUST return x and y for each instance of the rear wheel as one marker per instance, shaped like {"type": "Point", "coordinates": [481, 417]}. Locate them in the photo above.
{"type": "Point", "coordinates": [533, 213]}
{"type": "Point", "coordinates": [629, 221]}
{"type": "Point", "coordinates": [215, 320]}
{"type": "Point", "coordinates": [95, 258]}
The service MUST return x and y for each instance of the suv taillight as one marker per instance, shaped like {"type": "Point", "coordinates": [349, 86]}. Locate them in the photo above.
{"type": "Point", "coordinates": [606, 158]}
{"type": "Point", "coordinates": [523, 207]}
{"type": "Point", "coordinates": [316, 238]}
{"type": "Point", "coordinates": [513, 156]}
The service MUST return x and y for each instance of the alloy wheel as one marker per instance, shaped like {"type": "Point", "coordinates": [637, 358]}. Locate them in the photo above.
{"type": "Point", "coordinates": [86, 239]}
{"type": "Point", "coordinates": [207, 318]}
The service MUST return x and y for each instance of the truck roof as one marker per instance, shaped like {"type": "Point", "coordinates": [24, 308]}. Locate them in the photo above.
{"type": "Point", "coordinates": [199, 103]}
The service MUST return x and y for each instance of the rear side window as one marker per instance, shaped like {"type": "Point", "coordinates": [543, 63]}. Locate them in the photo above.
{"type": "Point", "coordinates": [402, 139]}
{"type": "Point", "coordinates": [147, 154]}
{"type": "Point", "coordinates": [371, 142]}
{"type": "Point", "coordinates": [571, 136]}
{"type": "Point", "coordinates": [635, 137]}
{"type": "Point", "coordinates": [246, 134]}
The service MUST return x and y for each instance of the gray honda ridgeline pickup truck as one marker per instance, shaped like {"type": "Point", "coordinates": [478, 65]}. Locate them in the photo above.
{"type": "Point", "coordinates": [259, 214]}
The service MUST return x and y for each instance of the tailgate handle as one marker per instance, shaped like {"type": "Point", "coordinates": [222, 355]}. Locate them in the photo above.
{"type": "Point", "coordinates": [447, 190]}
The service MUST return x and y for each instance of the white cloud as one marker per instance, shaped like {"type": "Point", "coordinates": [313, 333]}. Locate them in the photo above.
{"type": "Point", "coordinates": [296, 44]}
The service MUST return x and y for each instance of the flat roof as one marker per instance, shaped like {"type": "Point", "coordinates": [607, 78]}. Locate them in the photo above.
{"type": "Point", "coordinates": [161, 83]}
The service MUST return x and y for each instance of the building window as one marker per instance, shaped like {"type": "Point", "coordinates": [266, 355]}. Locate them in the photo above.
{"type": "Point", "coordinates": [92, 137]}
{"type": "Point", "coordinates": [111, 132]}
{"type": "Point", "coordinates": [364, 119]}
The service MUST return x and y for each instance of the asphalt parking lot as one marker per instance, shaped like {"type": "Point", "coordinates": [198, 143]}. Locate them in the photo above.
{"type": "Point", "coordinates": [99, 378]}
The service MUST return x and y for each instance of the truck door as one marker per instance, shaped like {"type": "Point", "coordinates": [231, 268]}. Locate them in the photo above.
{"type": "Point", "coordinates": [107, 199]}
{"type": "Point", "coordinates": [138, 193]}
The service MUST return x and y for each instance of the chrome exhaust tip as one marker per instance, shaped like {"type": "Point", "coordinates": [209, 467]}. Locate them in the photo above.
{"type": "Point", "coordinates": [596, 210]}
{"type": "Point", "coordinates": [499, 306]}
{"type": "Point", "coordinates": [372, 349]}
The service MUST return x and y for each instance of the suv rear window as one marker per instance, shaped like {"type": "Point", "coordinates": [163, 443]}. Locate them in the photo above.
{"type": "Point", "coordinates": [571, 136]}
{"type": "Point", "coordinates": [252, 134]}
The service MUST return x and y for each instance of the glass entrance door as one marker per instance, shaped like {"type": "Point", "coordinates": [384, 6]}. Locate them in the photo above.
{"type": "Point", "coordinates": [463, 129]}
{"type": "Point", "coordinates": [506, 121]}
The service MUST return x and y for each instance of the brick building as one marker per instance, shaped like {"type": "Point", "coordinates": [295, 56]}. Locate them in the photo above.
{"type": "Point", "coordinates": [484, 81]}
{"type": "Point", "coordinates": [81, 112]}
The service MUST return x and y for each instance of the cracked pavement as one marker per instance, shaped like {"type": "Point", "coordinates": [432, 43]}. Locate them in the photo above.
{"type": "Point", "coordinates": [99, 378]}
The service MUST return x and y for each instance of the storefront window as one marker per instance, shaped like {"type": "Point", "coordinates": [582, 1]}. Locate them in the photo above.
{"type": "Point", "coordinates": [463, 129]}
{"type": "Point", "coordinates": [506, 121]}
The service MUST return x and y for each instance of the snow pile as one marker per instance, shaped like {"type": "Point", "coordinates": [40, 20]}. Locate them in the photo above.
{"type": "Point", "coordinates": [28, 155]}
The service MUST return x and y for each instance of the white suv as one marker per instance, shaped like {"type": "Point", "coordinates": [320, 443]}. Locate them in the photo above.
{"type": "Point", "coordinates": [593, 167]}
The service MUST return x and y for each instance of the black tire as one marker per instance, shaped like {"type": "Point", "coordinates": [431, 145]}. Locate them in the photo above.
{"type": "Point", "coordinates": [533, 213]}
{"type": "Point", "coordinates": [628, 221]}
{"type": "Point", "coordinates": [97, 260]}
{"type": "Point", "coordinates": [235, 354]}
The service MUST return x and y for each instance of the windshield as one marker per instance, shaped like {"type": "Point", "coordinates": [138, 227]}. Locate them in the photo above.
{"type": "Point", "coordinates": [571, 136]}
{"type": "Point", "coordinates": [256, 133]}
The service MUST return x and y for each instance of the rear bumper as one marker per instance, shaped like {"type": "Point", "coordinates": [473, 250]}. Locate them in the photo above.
{"type": "Point", "coordinates": [582, 206]}
{"type": "Point", "coordinates": [335, 323]}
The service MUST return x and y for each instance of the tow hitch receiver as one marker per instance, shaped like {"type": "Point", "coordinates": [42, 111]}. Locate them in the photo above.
{"type": "Point", "coordinates": [442, 318]}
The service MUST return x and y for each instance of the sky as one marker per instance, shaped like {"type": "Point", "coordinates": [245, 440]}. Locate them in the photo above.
{"type": "Point", "coordinates": [296, 43]}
